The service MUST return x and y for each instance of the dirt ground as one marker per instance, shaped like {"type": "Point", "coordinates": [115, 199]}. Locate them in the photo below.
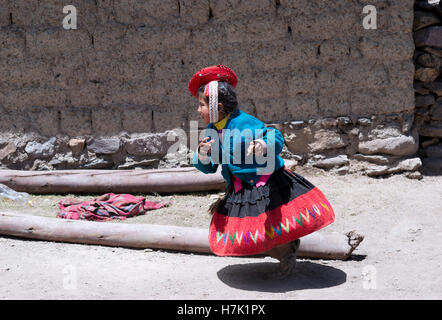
{"type": "Point", "coordinates": [400, 257]}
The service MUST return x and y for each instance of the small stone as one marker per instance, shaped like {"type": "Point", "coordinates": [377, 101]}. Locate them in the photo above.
{"type": "Point", "coordinates": [431, 37]}
{"type": "Point", "coordinates": [131, 164]}
{"type": "Point", "coordinates": [410, 164]}
{"type": "Point", "coordinates": [326, 140]}
{"type": "Point", "coordinates": [407, 120]}
{"type": "Point", "coordinates": [332, 162]}
{"type": "Point", "coordinates": [414, 175]}
{"type": "Point", "coordinates": [426, 74]}
{"type": "Point", "coordinates": [429, 130]}
{"type": "Point", "coordinates": [377, 159]}
{"type": "Point", "coordinates": [148, 145]}
{"type": "Point", "coordinates": [328, 123]}
{"type": "Point", "coordinates": [377, 170]}
{"type": "Point", "coordinates": [428, 60]}
{"type": "Point", "coordinates": [98, 163]}
{"type": "Point", "coordinates": [397, 146]}
{"type": "Point", "coordinates": [343, 121]}
{"type": "Point", "coordinates": [41, 150]}
{"type": "Point", "coordinates": [77, 145]}
{"type": "Point", "coordinates": [296, 124]}
{"type": "Point", "coordinates": [342, 171]}
{"type": "Point", "coordinates": [434, 151]}
{"type": "Point", "coordinates": [7, 150]}
{"type": "Point", "coordinates": [436, 52]}
{"type": "Point", "coordinates": [424, 101]}
{"type": "Point", "coordinates": [435, 87]}
{"type": "Point", "coordinates": [427, 143]}
{"type": "Point", "coordinates": [436, 110]}
{"type": "Point", "coordinates": [433, 165]}
{"type": "Point", "coordinates": [419, 88]}
{"type": "Point", "coordinates": [424, 19]}
{"type": "Point", "coordinates": [105, 146]}
{"type": "Point", "coordinates": [364, 121]}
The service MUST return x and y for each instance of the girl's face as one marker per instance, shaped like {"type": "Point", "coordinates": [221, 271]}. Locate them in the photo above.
{"type": "Point", "coordinates": [203, 109]}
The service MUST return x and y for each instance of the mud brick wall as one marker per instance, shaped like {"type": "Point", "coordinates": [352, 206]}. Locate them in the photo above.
{"type": "Point", "coordinates": [84, 98]}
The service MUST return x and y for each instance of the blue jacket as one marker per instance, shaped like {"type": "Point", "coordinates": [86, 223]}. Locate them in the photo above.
{"type": "Point", "coordinates": [240, 129]}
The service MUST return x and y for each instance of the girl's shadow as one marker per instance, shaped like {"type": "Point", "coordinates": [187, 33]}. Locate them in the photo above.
{"type": "Point", "coordinates": [255, 277]}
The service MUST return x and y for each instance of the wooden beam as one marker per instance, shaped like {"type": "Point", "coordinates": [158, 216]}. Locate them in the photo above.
{"type": "Point", "coordinates": [115, 181]}
{"type": "Point", "coordinates": [316, 245]}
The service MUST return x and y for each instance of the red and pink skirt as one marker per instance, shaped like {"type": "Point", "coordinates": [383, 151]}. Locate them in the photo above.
{"type": "Point", "coordinates": [256, 219]}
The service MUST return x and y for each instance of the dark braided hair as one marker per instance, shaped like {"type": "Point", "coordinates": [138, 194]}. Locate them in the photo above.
{"type": "Point", "coordinates": [226, 96]}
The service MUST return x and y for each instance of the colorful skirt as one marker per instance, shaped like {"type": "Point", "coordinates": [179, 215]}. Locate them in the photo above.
{"type": "Point", "coordinates": [256, 219]}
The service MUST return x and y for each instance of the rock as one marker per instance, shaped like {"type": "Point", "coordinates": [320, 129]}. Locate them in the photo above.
{"type": "Point", "coordinates": [407, 120]}
{"type": "Point", "coordinates": [424, 5]}
{"type": "Point", "coordinates": [297, 140]}
{"type": "Point", "coordinates": [342, 171]}
{"type": "Point", "coordinates": [343, 121]}
{"type": "Point", "coordinates": [105, 146]}
{"type": "Point", "coordinates": [77, 145]}
{"type": "Point", "coordinates": [428, 60]}
{"type": "Point", "coordinates": [41, 165]}
{"type": "Point", "coordinates": [377, 159]}
{"type": "Point", "coordinates": [131, 164]}
{"type": "Point", "coordinates": [331, 162]}
{"type": "Point", "coordinates": [98, 163]}
{"type": "Point", "coordinates": [434, 151]}
{"type": "Point", "coordinates": [148, 145]}
{"type": "Point", "coordinates": [326, 139]}
{"type": "Point", "coordinates": [419, 88]}
{"type": "Point", "coordinates": [435, 87]}
{"type": "Point", "coordinates": [426, 74]}
{"type": "Point", "coordinates": [373, 171]}
{"type": "Point", "coordinates": [427, 143]}
{"type": "Point", "coordinates": [410, 164]}
{"type": "Point", "coordinates": [429, 130]}
{"type": "Point", "coordinates": [397, 146]}
{"type": "Point", "coordinates": [364, 121]}
{"type": "Point", "coordinates": [424, 101]}
{"type": "Point", "coordinates": [64, 161]}
{"type": "Point", "coordinates": [41, 150]}
{"type": "Point", "coordinates": [296, 124]}
{"type": "Point", "coordinates": [434, 51]}
{"type": "Point", "coordinates": [432, 165]}
{"type": "Point", "coordinates": [328, 123]}
{"type": "Point", "coordinates": [431, 37]}
{"type": "Point", "coordinates": [436, 110]}
{"type": "Point", "coordinates": [424, 19]}
{"type": "Point", "coordinates": [414, 175]}
{"type": "Point", "coordinates": [422, 113]}
{"type": "Point", "coordinates": [7, 150]}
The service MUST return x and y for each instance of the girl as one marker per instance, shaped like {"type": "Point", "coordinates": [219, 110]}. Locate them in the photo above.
{"type": "Point", "coordinates": [266, 207]}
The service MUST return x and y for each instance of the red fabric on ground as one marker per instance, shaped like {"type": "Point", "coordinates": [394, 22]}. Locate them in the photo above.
{"type": "Point", "coordinates": [109, 206]}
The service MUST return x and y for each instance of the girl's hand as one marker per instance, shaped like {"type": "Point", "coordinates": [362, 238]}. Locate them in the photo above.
{"type": "Point", "coordinates": [257, 147]}
{"type": "Point", "coordinates": [205, 146]}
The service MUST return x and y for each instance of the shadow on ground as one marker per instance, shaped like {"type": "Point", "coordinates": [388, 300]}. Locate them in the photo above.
{"type": "Point", "coordinates": [255, 277]}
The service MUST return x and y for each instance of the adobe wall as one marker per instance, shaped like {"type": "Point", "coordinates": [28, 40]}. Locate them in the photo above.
{"type": "Point", "coordinates": [103, 95]}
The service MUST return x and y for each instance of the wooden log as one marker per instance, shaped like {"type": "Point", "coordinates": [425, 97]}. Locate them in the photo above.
{"type": "Point", "coordinates": [316, 245]}
{"type": "Point", "coordinates": [116, 181]}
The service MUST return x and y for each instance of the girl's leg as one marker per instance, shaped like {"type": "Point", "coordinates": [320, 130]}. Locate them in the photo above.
{"type": "Point", "coordinates": [286, 254]}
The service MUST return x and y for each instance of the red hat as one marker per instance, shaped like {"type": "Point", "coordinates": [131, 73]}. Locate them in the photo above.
{"type": "Point", "coordinates": [213, 73]}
